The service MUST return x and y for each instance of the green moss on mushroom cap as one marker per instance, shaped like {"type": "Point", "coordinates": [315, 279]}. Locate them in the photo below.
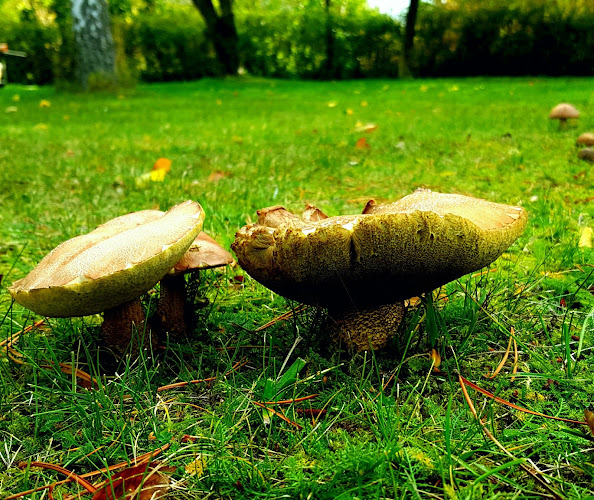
{"type": "Point", "coordinates": [383, 256]}
{"type": "Point", "coordinates": [110, 266]}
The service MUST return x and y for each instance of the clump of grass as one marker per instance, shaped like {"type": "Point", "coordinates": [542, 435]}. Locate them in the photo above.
{"type": "Point", "coordinates": [383, 424]}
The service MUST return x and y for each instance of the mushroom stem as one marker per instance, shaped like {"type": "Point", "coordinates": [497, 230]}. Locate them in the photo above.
{"type": "Point", "coordinates": [123, 328]}
{"type": "Point", "coordinates": [366, 329]}
{"type": "Point", "coordinates": [171, 310]}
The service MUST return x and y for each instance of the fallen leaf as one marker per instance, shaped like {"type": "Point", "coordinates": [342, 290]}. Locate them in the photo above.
{"type": "Point", "coordinates": [157, 175]}
{"type": "Point", "coordinates": [368, 127]}
{"type": "Point", "coordinates": [16, 98]}
{"type": "Point", "coordinates": [332, 104]}
{"type": "Point", "coordinates": [44, 103]}
{"type": "Point", "coordinates": [436, 358]}
{"type": "Point", "coordinates": [196, 467]}
{"type": "Point", "coordinates": [11, 109]}
{"type": "Point", "coordinates": [41, 126]}
{"type": "Point", "coordinates": [362, 143]}
{"type": "Point", "coordinates": [162, 164]}
{"type": "Point", "coordinates": [423, 88]}
{"type": "Point", "coordinates": [217, 175]}
{"type": "Point", "coordinates": [590, 420]}
{"type": "Point", "coordinates": [363, 103]}
{"type": "Point", "coordinates": [585, 238]}
{"type": "Point", "coordinates": [349, 111]}
{"type": "Point", "coordinates": [136, 483]}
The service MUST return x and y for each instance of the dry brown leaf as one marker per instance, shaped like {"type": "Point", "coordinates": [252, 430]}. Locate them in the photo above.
{"type": "Point", "coordinates": [362, 143]}
{"type": "Point", "coordinates": [136, 483]}
{"type": "Point", "coordinates": [590, 420]}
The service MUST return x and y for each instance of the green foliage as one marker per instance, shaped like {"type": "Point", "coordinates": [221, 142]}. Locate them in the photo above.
{"type": "Point", "coordinates": [504, 40]}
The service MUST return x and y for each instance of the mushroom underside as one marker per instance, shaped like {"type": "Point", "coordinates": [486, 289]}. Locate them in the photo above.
{"type": "Point", "coordinates": [366, 329]}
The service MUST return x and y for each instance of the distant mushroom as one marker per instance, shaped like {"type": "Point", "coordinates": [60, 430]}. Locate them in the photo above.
{"type": "Point", "coordinates": [362, 267]}
{"type": "Point", "coordinates": [586, 154]}
{"type": "Point", "coordinates": [586, 139]}
{"type": "Point", "coordinates": [173, 309]}
{"type": "Point", "coordinates": [563, 112]}
{"type": "Point", "coordinates": [108, 269]}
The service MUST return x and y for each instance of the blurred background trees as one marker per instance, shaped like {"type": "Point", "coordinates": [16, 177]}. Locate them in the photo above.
{"type": "Point", "coordinates": [161, 40]}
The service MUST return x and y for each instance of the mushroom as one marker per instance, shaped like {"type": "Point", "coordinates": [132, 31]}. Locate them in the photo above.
{"type": "Point", "coordinates": [173, 309]}
{"type": "Point", "coordinates": [586, 139]}
{"type": "Point", "coordinates": [362, 267]}
{"type": "Point", "coordinates": [108, 269]}
{"type": "Point", "coordinates": [563, 112]}
{"type": "Point", "coordinates": [586, 154]}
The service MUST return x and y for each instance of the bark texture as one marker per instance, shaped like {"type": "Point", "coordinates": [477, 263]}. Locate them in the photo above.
{"type": "Point", "coordinates": [95, 50]}
{"type": "Point", "coordinates": [408, 40]}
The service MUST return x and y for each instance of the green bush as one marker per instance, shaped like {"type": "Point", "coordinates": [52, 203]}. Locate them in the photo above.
{"type": "Point", "coordinates": [503, 41]}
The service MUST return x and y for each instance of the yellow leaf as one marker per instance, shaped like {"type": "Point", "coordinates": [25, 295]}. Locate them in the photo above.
{"type": "Point", "coordinates": [363, 103]}
{"type": "Point", "coordinates": [158, 175]}
{"type": "Point", "coordinates": [585, 238]}
{"type": "Point", "coordinates": [16, 98]}
{"type": "Point", "coordinates": [424, 88]}
{"type": "Point", "coordinates": [332, 104]}
{"type": "Point", "coordinates": [454, 88]}
{"type": "Point", "coordinates": [349, 111]}
{"type": "Point", "coordinates": [436, 358]}
{"type": "Point", "coordinates": [44, 103]}
{"type": "Point", "coordinates": [196, 467]}
{"type": "Point", "coordinates": [368, 127]}
{"type": "Point", "coordinates": [162, 164]}
{"type": "Point", "coordinates": [41, 126]}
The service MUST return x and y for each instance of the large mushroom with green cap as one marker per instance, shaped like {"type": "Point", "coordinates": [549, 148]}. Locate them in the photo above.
{"type": "Point", "coordinates": [108, 269]}
{"type": "Point", "coordinates": [362, 267]}
{"type": "Point", "coordinates": [174, 310]}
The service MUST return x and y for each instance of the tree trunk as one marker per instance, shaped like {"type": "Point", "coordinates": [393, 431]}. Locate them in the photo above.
{"type": "Point", "coordinates": [221, 30]}
{"type": "Point", "coordinates": [330, 69]}
{"type": "Point", "coordinates": [95, 50]}
{"type": "Point", "coordinates": [408, 40]}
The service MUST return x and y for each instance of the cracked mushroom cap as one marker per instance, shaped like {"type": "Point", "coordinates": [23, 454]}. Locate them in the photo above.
{"type": "Point", "coordinates": [114, 264]}
{"type": "Point", "coordinates": [564, 111]}
{"type": "Point", "coordinates": [204, 253]}
{"type": "Point", "coordinates": [387, 254]}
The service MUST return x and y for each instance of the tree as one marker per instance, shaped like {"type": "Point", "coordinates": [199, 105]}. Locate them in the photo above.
{"type": "Point", "coordinates": [221, 30]}
{"type": "Point", "coordinates": [408, 40]}
{"type": "Point", "coordinates": [95, 50]}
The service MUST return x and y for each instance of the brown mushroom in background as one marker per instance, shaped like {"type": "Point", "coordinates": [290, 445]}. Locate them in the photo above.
{"type": "Point", "coordinates": [108, 269]}
{"type": "Point", "coordinates": [362, 267]}
{"type": "Point", "coordinates": [564, 112]}
{"type": "Point", "coordinates": [586, 154]}
{"type": "Point", "coordinates": [173, 310]}
{"type": "Point", "coordinates": [586, 139]}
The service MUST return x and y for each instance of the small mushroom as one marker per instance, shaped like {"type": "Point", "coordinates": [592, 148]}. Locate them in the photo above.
{"type": "Point", "coordinates": [108, 269]}
{"type": "Point", "coordinates": [173, 309]}
{"type": "Point", "coordinates": [362, 267]}
{"type": "Point", "coordinates": [563, 112]}
{"type": "Point", "coordinates": [586, 139]}
{"type": "Point", "coordinates": [586, 154]}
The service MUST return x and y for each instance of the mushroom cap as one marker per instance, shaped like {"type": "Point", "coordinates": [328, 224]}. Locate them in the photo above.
{"type": "Point", "coordinates": [116, 263]}
{"type": "Point", "coordinates": [564, 111]}
{"type": "Point", "coordinates": [586, 154]}
{"type": "Point", "coordinates": [387, 254]}
{"type": "Point", "coordinates": [204, 253]}
{"type": "Point", "coordinates": [587, 139]}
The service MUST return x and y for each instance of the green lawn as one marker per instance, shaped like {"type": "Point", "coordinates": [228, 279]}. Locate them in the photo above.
{"type": "Point", "coordinates": [392, 428]}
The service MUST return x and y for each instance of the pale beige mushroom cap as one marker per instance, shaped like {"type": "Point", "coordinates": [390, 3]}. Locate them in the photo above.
{"type": "Point", "coordinates": [564, 111]}
{"type": "Point", "coordinates": [587, 139]}
{"type": "Point", "coordinates": [115, 263]}
{"type": "Point", "coordinates": [385, 255]}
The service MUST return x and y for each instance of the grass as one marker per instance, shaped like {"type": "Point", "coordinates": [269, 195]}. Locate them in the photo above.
{"type": "Point", "coordinates": [393, 428]}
